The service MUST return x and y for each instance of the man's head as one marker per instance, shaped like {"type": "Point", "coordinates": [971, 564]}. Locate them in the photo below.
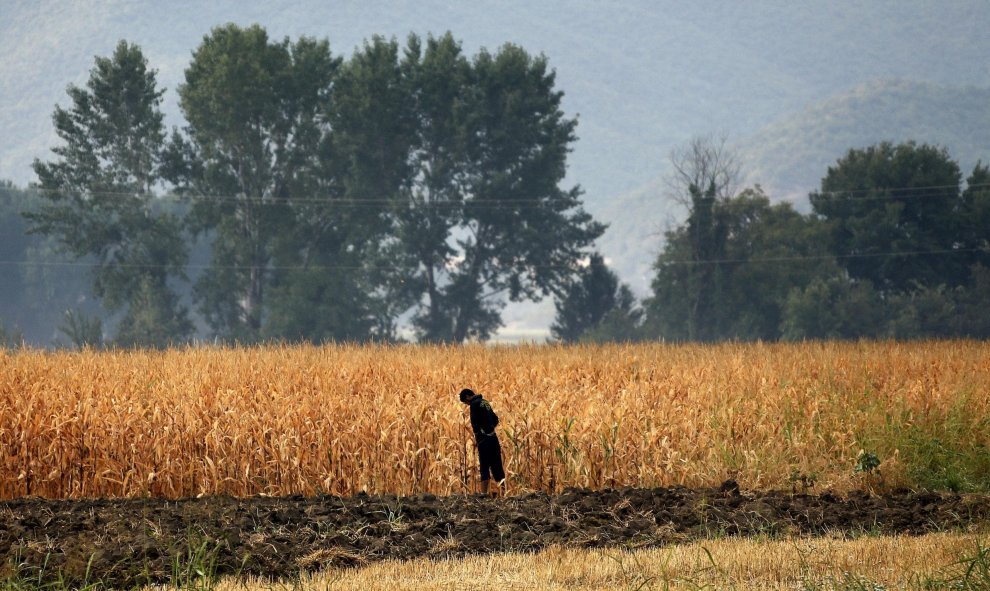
{"type": "Point", "coordinates": [466, 395]}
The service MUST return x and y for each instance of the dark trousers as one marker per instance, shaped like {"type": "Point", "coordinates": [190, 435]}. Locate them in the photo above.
{"type": "Point", "coordinates": [490, 458]}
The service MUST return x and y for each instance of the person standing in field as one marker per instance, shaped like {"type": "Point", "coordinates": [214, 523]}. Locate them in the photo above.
{"type": "Point", "coordinates": [483, 423]}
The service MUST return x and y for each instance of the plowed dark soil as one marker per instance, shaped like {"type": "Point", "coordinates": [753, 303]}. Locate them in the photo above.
{"type": "Point", "coordinates": [137, 540]}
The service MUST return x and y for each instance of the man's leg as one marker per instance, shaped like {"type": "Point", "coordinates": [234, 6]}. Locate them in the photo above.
{"type": "Point", "coordinates": [484, 461]}
{"type": "Point", "coordinates": [495, 464]}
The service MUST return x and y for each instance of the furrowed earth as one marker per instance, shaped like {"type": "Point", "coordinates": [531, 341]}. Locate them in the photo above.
{"type": "Point", "coordinates": [133, 541]}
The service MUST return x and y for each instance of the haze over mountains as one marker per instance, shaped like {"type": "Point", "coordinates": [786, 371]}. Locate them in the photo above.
{"type": "Point", "coordinates": [793, 85]}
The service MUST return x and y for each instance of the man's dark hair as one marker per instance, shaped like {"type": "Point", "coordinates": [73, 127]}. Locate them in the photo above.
{"type": "Point", "coordinates": [466, 394]}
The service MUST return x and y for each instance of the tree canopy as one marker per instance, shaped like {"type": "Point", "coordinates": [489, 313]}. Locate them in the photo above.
{"type": "Point", "coordinates": [99, 196]}
{"type": "Point", "coordinates": [894, 247]}
{"type": "Point", "coordinates": [596, 306]}
{"type": "Point", "coordinates": [338, 195]}
{"type": "Point", "coordinates": [893, 213]}
{"type": "Point", "coordinates": [333, 199]}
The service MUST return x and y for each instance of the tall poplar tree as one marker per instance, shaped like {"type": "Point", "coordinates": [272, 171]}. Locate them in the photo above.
{"type": "Point", "coordinates": [99, 197]}
{"type": "Point", "coordinates": [456, 164]}
{"type": "Point", "coordinates": [256, 117]}
{"type": "Point", "coordinates": [895, 215]}
{"type": "Point", "coordinates": [488, 220]}
{"type": "Point", "coordinates": [340, 278]}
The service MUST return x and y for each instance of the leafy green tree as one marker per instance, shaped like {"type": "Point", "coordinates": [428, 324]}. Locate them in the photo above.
{"type": "Point", "coordinates": [373, 122]}
{"type": "Point", "coordinates": [942, 312]}
{"type": "Point", "coordinates": [320, 306]}
{"type": "Point", "coordinates": [83, 331]}
{"type": "Point", "coordinates": [894, 216]}
{"type": "Point", "coordinates": [440, 82]}
{"type": "Point", "coordinates": [975, 215]}
{"type": "Point", "coordinates": [972, 305]}
{"type": "Point", "coordinates": [727, 272]}
{"type": "Point", "coordinates": [834, 307]}
{"type": "Point", "coordinates": [891, 251]}
{"type": "Point", "coordinates": [10, 338]}
{"type": "Point", "coordinates": [689, 271]}
{"type": "Point", "coordinates": [256, 118]}
{"type": "Point", "coordinates": [622, 324]}
{"type": "Point", "coordinates": [457, 163]}
{"type": "Point", "coordinates": [771, 249]}
{"type": "Point", "coordinates": [925, 312]}
{"type": "Point", "coordinates": [910, 240]}
{"type": "Point", "coordinates": [437, 182]}
{"type": "Point", "coordinates": [688, 287]}
{"type": "Point", "coordinates": [13, 247]}
{"type": "Point", "coordinates": [150, 323]}
{"type": "Point", "coordinates": [593, 296]}
{"type": "Point", "coordinates": [514, 232]}
{"type": "Point", "coordinates": [347, 249]}
{"type": "Point", "coordinates": [98, 193]}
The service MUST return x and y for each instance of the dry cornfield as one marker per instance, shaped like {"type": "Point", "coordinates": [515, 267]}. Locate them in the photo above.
{"type": "Point", "coordinates": [343, 419]}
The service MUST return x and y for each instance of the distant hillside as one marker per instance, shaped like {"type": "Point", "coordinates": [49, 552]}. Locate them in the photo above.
{"type": "Point", "coordinates": [642, 75]}
{"type": "Point", "coordinates": [790, 156]}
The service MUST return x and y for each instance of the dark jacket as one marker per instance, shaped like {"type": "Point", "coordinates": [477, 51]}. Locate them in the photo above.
{"type": "Point", "coordinates": [483, 418]}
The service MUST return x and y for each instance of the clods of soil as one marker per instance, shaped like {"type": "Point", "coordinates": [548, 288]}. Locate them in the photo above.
{"type": "Point", "coordinates": [130, 541]}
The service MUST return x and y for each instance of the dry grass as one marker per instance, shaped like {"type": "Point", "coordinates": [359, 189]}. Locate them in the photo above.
{"type": "Point", "coordinates": [866, 563]}
{"type": "Point", "coordinates": [342, 419]}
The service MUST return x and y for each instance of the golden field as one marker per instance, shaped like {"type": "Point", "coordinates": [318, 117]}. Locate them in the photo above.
{"type": "Point", "coordinates": [934, 561]}
{"type": "Point", "coordinates": [342, 419]}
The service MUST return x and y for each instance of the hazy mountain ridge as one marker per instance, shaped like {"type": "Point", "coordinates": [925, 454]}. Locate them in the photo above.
{"type": "Point", "coordinates": [642, 77]}
{"type": "Point", "coordinates": [790, 156]}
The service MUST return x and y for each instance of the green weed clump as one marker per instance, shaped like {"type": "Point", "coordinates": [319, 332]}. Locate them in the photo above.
{"type": "Point", "coordinates": [196, 569]}
{"type": "Point", "coordinates": [942, 448]}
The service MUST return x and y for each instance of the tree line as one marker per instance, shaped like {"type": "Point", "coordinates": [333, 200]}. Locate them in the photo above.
{"type": "Point", "coordinates": [896, 245]}
{"type": "Point", "coordinates": [335, 195]}
{"type": "Point", "coordinates": [308, 197]}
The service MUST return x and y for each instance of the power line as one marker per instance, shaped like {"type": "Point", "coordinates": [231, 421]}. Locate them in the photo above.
{"type": "Point", "coordinates": [233, 267]}
{"type": "Point", "coordinates": [325, 200]}
{"type": "Point", "coordinates": [923, 188]}
{"type": "Point", "coordinates": [794, 258]}
{"type": "Point", "coordinates": [197, 266]}
{"type": "Point", "coordinates": [863, 255]}
{"type": "Point", "coordinates": [903, 193]}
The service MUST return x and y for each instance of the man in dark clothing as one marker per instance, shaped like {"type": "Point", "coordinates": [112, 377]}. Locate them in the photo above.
{"type": "Point", "coordinates": [483, 423]}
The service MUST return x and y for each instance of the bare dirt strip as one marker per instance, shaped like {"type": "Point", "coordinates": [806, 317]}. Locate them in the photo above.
{"type": "Point", "coordinates": [130, 541]}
